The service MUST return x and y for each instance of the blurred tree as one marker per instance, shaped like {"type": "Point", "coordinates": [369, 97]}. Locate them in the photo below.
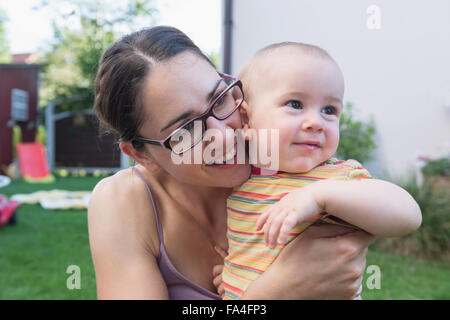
{"type": "Point", "coordinates": [357, 139]}
{"type": "Point", "coordinates": [83, 29]}
{"type": "Point", "coordinates": [215, 59]}
{"type": "Point", "coordinates": [5, 56]}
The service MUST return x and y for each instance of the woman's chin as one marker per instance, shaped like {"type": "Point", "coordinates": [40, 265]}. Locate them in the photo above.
{"type": "Point", "coordinates": [228, 175]}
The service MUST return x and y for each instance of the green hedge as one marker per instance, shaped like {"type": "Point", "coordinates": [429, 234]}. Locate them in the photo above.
{"type": "Point", "coordinates": [438, 167]}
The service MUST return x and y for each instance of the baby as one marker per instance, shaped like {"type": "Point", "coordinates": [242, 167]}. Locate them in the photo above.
{"type": "Point", "coordinates": [298, 90]}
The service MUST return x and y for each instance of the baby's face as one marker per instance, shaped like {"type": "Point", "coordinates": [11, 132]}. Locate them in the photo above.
{"type": "Point", "coordinates": [301, 96]}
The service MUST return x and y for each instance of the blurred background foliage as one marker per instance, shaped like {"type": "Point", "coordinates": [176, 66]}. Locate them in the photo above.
{"type": "Point", "coordinates": [5, 55]}
{"type": "Point", "coordinates": [357, 138]}
{"type": "Point", "coordinates": [82, 31]}
{"type": "Point", "coordinates": [432, 240]}
{"type": "Point", "coordinates": [437, 167]}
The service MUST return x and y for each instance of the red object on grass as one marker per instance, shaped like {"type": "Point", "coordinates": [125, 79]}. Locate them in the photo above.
{"type": "Point", "coordinates": [32, 160]}
{"type": "Point", "coordinates": [3, 201]}
{"type": "Point", "coordinates": [6, 211]}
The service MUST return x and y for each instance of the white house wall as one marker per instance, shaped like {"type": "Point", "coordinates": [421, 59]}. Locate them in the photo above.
{"type": "Point", "coordinates": [399, 73]}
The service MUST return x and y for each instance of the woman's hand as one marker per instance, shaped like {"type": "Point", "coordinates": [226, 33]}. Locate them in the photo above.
{"type": "Point", "coordinates": [321, 263]}
{"type": "Point", "coordinates": [217, 272]}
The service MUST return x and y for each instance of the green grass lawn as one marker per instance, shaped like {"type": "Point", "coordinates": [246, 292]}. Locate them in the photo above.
{"type": "Point", "coordinates": [35, 254]}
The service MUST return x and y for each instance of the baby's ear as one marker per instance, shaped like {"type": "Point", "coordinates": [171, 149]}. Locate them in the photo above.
{"type": "Point", "coordinates": [245, 115]}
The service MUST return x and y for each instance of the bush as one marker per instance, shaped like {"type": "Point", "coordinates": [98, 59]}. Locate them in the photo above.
{"type": "Point", "coordinates": [17, 138]}
{"type": "Point", "coordinates": [41, 135]}
{"type": "Point", "coordinates": [356, 137]}
{"type": "Point", "coordinates": [438, 167]}
{"type": "Point", "coordinates": [432, 240]}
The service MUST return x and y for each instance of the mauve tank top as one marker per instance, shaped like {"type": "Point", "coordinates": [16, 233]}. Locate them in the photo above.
{"type": "Point", "coordinates": [179, 287]}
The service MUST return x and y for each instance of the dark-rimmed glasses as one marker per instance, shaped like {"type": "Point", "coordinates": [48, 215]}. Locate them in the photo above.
{"type": "Point", "coordinates": [223, 104]}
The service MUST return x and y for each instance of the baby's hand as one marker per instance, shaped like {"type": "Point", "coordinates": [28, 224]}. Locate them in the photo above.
{"type": "Point", "coordinates": [297, 206]}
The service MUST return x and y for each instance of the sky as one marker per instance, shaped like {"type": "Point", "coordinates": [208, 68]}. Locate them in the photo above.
{"type": "Point", "coordinates": [28, 30]}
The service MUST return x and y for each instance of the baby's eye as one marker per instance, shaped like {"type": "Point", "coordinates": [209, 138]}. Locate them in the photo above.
{"type": "Point", "coordinates": [329, 110]}
{"type": "Point", "coordinates": [295, 104]}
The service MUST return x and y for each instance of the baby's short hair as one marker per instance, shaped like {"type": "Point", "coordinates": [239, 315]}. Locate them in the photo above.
{"type": "Point", "coordinates": [307, 48]}
{"type": "Point", "coordinates": [246, 71]}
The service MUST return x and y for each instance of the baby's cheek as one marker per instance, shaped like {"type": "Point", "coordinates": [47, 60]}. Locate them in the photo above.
{"type": "Point", "coordinates": [333, 139]}
{"type": "Point", "coordinates": [330, 147]}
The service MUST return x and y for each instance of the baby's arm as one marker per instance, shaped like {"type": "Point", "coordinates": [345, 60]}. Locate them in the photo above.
{"type": "Point", "coordinates": [378, 207]}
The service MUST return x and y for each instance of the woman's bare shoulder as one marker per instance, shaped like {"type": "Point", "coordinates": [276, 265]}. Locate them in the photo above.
{"type": "Point", "coordinates": [120, 207]}
{"type": "Point", "coordinates": [122, 180]}
{"type": "Point", "coordinates": [124, 240]}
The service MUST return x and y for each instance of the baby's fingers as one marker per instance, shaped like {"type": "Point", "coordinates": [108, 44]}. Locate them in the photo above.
{"type": "Point", "coordinates": [275, 226]}
{"type": "Point", "coordinates": [262, 219]}
{"type": "Point", "coordinates": [268, 225]}
{"type": "Point", "coordinates": [286, 228]}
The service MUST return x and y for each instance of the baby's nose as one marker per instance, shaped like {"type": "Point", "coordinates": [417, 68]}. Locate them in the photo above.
{"type": "Point", "coordinates": [313, 121]}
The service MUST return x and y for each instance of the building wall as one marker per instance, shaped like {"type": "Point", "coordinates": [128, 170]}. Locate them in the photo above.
{"type": "Point", "coordinates": [399, 73]}
{"type": "Point", "coordinates": [23, 77]}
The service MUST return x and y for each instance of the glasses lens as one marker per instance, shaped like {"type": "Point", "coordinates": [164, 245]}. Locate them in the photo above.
{"type": "Point", "coordinates": [187, 136]}
{"type": "Point", "coordinates": [227, 102]}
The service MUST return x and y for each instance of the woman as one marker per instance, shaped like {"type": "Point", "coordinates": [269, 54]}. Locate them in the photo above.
{"type": "Point", "coordinates": [155, 229]}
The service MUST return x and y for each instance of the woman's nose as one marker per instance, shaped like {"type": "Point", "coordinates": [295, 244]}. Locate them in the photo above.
{"type": "Point", "coordinates": [225, 128]}
{"type": "Point", "coordinates": [312, 121]}
{"type": "Point", "coordinates": [233, 121]}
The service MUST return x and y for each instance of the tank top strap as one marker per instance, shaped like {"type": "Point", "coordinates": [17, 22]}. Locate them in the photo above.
{"type": "Point", "coordinates": [155, 208]}
{"type": "Point", "coordinates": [179, 287]}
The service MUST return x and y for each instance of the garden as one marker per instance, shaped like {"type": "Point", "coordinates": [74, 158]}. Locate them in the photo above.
{"type": "Point", "coordinates": [40, 247]}
{"type": "Point", "coordinates": [36, 251]}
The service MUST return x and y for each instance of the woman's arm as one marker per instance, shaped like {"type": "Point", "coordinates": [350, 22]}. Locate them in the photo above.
{"type": "Point", "coordinates": [124, 257]}
{"type": "Point", "coordinates": [315, 265]}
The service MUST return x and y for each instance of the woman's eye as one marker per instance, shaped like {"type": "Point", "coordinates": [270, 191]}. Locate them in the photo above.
{"type": "Point", "coordinates": [219, 101]}
{"type": "Point", "coordinates": [180, 133]}
{"type": "Point", "coordinates": [189, 126]}
{"type": "Point", "coordinates": [295, 104]}
{"type": "Point", "coordinates": [329, 110]}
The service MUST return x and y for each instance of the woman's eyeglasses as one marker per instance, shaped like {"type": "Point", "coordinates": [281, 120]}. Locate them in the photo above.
{"type": "Point", "coordinates": [223, 104]}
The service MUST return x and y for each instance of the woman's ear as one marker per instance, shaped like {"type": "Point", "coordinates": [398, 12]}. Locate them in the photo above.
{"type": "Point", "coordinates": [245, 116]}
{"type": "Point", "coordinates": [140, 157]}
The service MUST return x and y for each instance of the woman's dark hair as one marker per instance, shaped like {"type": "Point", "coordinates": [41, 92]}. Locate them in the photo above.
{"type": "Point", "coordinates": [122, 71]}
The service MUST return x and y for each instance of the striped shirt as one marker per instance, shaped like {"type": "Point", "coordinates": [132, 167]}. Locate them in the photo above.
{"type": "Point", "coordinates": [248, 256]}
